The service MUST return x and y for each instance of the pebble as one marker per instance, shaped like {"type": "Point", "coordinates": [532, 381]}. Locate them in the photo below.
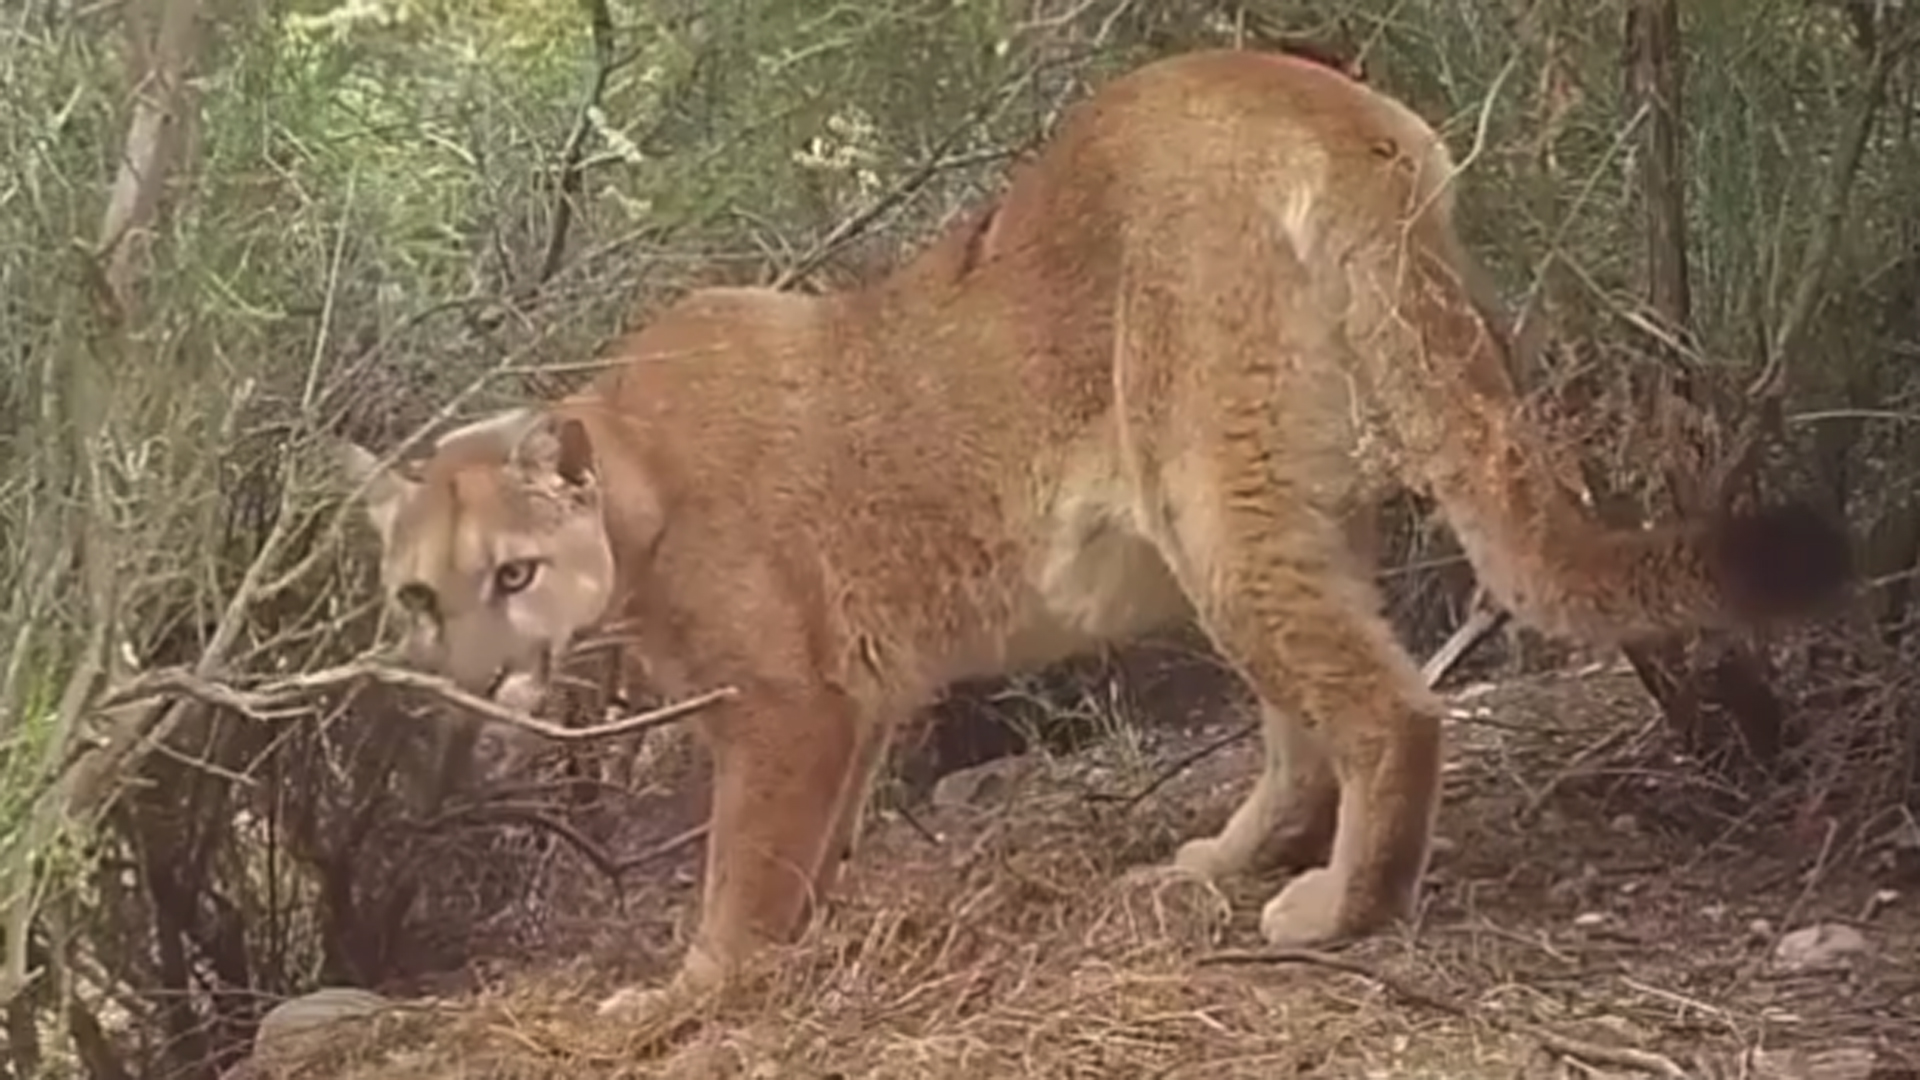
{"type": "Point", "coordinates": [1819, 947]}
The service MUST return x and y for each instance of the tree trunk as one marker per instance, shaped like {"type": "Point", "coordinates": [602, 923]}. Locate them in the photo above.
{"type": "Point", "coordinates": [163, 39]}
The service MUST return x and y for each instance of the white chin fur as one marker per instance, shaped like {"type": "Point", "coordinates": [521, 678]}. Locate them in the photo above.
{"type": "Point", "coordinates": [520, 692]}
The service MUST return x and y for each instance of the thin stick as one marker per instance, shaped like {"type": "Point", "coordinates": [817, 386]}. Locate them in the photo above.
{"type": "Point", "coordinates": [1178, 766]}
{"type": "Point", "coordinates": [664, 848]}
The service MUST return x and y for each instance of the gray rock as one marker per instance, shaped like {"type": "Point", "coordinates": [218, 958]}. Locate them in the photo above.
{"type": "Point", "coordinates": [1820, 947]}
{"type": "Point", "coordinates": [985, 783]}
{"type": "Point", "coordinates": [323, 1006]}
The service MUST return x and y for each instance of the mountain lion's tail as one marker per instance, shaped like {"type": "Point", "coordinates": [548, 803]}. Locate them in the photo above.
{"type": "Point", "coordinates": [1441, 371]}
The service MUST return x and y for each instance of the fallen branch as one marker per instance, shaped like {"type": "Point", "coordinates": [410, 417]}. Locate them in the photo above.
{"type": "Point", "coordinates": [1592, 1053]}
{"type": "Point", "coordinates": [284, 698]}
{"type": "Point", "coordinates": [1479, 626]}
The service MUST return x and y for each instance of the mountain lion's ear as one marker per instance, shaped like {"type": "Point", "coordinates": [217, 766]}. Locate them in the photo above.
{"type": "Point", "coordinates": [557, 445]}
{"type": "Point", "coordinates": [505, 429]}
{"type": "Point", "coordinates": [386, 489]}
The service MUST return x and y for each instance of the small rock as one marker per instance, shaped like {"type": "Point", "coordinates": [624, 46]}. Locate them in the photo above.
{"type": "Point", "coordinates": [1625, 823]}
{"type": "Point", "coordinates": [1819, 947]}
{"type": "Point", "coordinates": [323, 1006]}
{"type": "Point", "coordinates": [984, 783]}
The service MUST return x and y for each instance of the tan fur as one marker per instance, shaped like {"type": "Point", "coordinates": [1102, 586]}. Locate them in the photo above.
{"type": "Point", "coordinates": [1201, 335]}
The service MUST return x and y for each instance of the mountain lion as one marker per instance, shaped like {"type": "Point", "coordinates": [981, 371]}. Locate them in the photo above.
{"type": "Point", "coordinates": [1219, 317]}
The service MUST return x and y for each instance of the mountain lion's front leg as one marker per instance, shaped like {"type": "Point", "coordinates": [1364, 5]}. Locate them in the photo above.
{"type": "Point", "coordinates": [783, 766]}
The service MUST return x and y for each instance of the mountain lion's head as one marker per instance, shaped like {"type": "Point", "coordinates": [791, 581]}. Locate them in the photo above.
{"type": "Point", "coordinates": [494, 550]}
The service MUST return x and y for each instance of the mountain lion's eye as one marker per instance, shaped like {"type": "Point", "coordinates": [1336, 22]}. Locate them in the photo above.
{"type": "Point", "coordinates": [511, 577]}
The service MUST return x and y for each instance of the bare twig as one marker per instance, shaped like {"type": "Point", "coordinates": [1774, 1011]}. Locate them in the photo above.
{"type": "Point", "coordinates": [538, 817]}
{"type": "Point", "coordinates": [1807, 886]}
{"type": "Point", "coordinates": [664, 848]}
{"type": "Point", "coordinates": [286, 697]}
{"type": "Point", "coordinates": [941, 159]}
{"type": "Point", "coordinates": [1645, 1061]}
{"type": "Point", "coordinates": [851, 228]}
{"type": "Point", "coordinates": [1769, 388]}
{"type": "Point", "coordinates": [1606, 744]}
{"type": "Point", "coordinates": [1182, 764]}
{"type": "Point", "coordinates": [600, 23]}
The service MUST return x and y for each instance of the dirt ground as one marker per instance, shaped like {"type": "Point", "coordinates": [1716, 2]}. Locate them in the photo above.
{"type": "Point", "coordinates": [1595, 909]}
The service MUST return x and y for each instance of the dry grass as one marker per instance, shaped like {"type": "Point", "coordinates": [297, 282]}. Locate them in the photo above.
{"type": "Point", "coordinates": [1034, 939]}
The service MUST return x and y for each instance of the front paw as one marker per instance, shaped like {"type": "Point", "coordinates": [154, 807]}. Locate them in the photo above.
{"type": "Point", "coordinates": [659, 1007]}
{"type": "Point", "coordinates": [1320, 908]}
{"type": "Point", "coordinates": [1206, 859]}
{"type": "Point", "coordinates": [640, 1004]}
{"type": "Point", "coordinates": [1307, 913]}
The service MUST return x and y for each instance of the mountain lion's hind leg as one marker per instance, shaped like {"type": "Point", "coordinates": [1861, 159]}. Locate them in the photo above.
{"type": "Point", "coordinates": [1286, 821]}
{"type": "Point", "coordinates": [1306, 634]}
